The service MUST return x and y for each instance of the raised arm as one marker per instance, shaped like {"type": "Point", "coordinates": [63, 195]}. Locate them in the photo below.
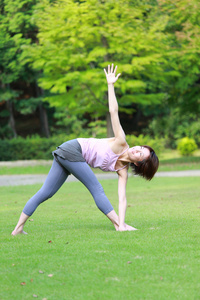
{"type": "Point", "coordinates": [112, 102]}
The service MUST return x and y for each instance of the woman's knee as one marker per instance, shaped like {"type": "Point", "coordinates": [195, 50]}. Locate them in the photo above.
{"type": "Point", "coordinates": [102, 201]}
{"type": "Point", "coordinates": [44, 194]}
{"type": "Point", "coordinates": [96, 189]}
{"type": "Point", "coordinates": [103, 204]}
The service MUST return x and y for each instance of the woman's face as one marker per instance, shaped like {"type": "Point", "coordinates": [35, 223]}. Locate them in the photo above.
{"type": "Point", "coordinates": [138, 153]}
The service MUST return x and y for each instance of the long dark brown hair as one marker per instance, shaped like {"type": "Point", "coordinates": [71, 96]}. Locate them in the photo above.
{"type": "Point", "coordinates": [148, 167]}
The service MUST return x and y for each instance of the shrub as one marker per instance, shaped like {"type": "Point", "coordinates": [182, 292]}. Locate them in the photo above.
{"type": "Point", "coordinates": [33, 147]}
{"type": "Point", "coordinates": [36, 147]}
{"type": "Point", "coordinates": [186, 146]}
{"type": "Point", "coordinates": [174, 125]}
{"type": "Point", "coordinates": [193, 131]}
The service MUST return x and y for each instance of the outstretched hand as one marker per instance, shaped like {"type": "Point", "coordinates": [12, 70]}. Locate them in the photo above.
{"type": "Point", "coordinates": [111, 75]}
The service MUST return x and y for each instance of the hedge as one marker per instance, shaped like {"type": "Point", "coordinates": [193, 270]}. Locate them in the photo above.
{"type": "Point", "coordinates": [41, 148]}
{"type": "Point", "coordinates": [30, 148]}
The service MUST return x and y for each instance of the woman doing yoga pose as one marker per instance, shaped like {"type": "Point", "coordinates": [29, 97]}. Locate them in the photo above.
{"type": "Point", "coordinates": [109, 154]}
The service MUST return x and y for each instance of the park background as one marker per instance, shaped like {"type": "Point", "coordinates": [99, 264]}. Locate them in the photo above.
{"type": "Point", "coordinates": [53, 88]}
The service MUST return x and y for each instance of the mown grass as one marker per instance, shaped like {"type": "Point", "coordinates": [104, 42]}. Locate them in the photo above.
{"type": "Point", "coordinates": [19, 170]}
{"type": "Point", "coordinates": [171, 153]}
{"type": "Point", "coordinates": [180, 164]}
{"type": "Point", "coordinates": [75, 243]}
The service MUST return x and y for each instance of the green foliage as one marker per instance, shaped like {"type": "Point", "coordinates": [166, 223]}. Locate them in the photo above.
{"type": "Point", "coordinates": [31, 148]}
{"type": "Point", "coordinates": [14, 25]}
{"type": "Point", "coordinates": [67, 43]}
{"type": "Point", "coordinates": [5, 131]}
{"type": "Point", "coordinates": [19, 14]}
{"type": "Point", "coordinates": [154, 45]}
{"type": "Point", "coordinates": [183, 32]}
{"type": "Point", "coordinates": [97, 129]}
{"type": "Point", "coordinates": [174, 125]}
{"type": "Point", "coordinates": [193, 131]}
{"type": "Point", "coordinates": [8, 94]}
{"type": "Point", "coordinates": [68, 122]}
{"type": "Point", "coordinates": [36, 147]}
{"type": "Point", "coordinates": [186, 146]}
{"type": "Point", "coordinates": [77, 40]}
{"type": "Point", "coordinates": [17, 79]}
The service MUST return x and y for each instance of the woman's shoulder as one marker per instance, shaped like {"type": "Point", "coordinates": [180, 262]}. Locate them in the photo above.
{"type": "Point", "coordinates": [117, 145]}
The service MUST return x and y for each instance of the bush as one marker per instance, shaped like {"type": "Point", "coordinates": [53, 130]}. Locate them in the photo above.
{"type": "Point", "coordinates": [186, 146]}
{"type": "Point", "coordinates": [31, 148]}
{"type": "Point", "coordinates": [193, 131]}
{"type": "Point", "coordinates": [174, 126]}
{"type": "Point", "coordinates": [36, 147]}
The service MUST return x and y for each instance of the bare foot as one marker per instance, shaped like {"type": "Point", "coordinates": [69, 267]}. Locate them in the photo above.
{"type": "Point", "coordinates": [18, 231]}
{"type": "Point", "coordinates": [130, 228]}
{"type": "Point", "coordinates": [116, 227]}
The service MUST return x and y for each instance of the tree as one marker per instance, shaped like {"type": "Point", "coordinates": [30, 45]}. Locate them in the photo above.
{"type": "Point", "coordinates": [178, 115]}
{"type": "Point", "coordinates": [16, 31]}
{"type": "Point", "coordinates": [77, 39]}
{"type": "Point", "coordinates": [183, 31]}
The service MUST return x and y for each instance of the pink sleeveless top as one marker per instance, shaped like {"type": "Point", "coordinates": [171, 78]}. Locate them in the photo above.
{"type": "Point", "coordinates": [98, 154]}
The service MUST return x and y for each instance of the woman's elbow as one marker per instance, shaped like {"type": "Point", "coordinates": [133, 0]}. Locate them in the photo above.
{"type": "Point", "coordinates": [113, 110]}
{"type": "Point", "coordinates": [122, 200]}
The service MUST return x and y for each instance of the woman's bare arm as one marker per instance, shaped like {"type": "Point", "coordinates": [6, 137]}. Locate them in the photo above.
{"type": "Point", "coordinates": [112, 102]}
{"type": "Point", "coordinates": [122, 181]}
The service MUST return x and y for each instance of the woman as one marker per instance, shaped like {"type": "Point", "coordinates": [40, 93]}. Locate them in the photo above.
{"type": "Point", "coordinates": [111, 154]}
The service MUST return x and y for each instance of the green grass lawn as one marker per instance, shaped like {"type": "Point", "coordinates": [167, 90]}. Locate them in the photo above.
{"type": "Point", "coordinates": [171, 153]}
{"type": "Point", "coordinates": [38, 169]}
{"type": "Point", "coordinates": [73, 252]}
{"type": "Point", "coordinates": [180, 164]}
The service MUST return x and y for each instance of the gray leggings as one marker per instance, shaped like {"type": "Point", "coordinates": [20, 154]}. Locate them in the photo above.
{"type": "Point", "coordinates": [58, 174]}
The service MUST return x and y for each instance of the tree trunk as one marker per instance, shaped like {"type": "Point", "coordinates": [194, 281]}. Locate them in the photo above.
{"type": "Point", "coordinates": [44, 126]}
{"type": "Point", "coordinates": [110, 132]}
{"type": "Point", "coordinates": [11, 121]}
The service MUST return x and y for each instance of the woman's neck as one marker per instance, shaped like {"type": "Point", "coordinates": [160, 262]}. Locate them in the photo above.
{"type": "Point", "coordinates": [125, 157]}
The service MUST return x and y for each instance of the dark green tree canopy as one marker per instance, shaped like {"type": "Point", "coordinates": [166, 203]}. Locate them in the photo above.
{"type": "Point", "coordinates": [64, 45]}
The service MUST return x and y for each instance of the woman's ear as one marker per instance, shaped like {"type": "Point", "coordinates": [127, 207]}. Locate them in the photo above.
{"type": "Point", "coordinates": [137, 164]}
